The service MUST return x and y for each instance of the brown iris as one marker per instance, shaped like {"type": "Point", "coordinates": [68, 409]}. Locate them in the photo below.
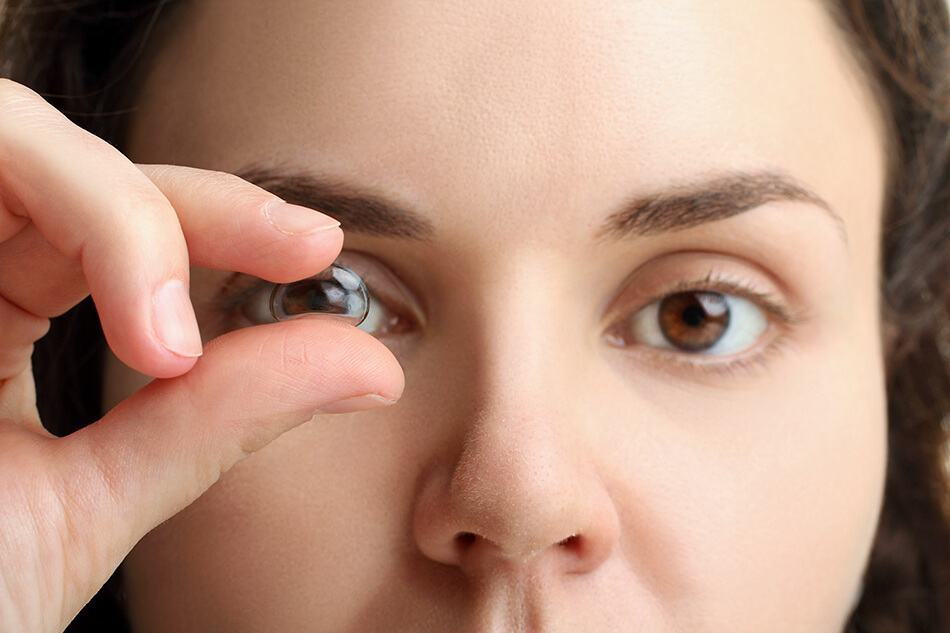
{"type": "Point", "coordinates": [694, 321]}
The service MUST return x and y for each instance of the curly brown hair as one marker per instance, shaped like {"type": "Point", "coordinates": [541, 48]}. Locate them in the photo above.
{"type": "Point", "coordinates": [87, 56]}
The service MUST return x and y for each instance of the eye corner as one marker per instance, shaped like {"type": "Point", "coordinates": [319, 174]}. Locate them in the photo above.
{"type": "Point", "coordinates": [394, 310]}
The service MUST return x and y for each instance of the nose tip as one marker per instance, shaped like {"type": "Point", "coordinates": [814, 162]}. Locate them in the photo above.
{"type": "Point", "coordinates": [511, 501]}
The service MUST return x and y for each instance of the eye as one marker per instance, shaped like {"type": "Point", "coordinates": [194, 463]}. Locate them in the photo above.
{"type": "Point", "coordinates": [380, 319]}
{"type": "Point", "coordinates": [336, 291]}
{"type": "Point", "coordinates": [695, 322]}
{"type": "Point", "coordinates": [391, 309]}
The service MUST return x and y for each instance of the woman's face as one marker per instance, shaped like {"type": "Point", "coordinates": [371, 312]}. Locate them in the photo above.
{"type": "Point", "coordinates": [628, 261]}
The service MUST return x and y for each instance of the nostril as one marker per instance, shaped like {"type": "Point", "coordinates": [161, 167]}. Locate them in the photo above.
{"type": "Point", "coordinates": [465, 539]}
{"type": "Point", "coordinates": [571, 542]}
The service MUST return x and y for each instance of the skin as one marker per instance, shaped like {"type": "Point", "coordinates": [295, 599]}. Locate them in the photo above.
{"type": "Point", "coordinates": [740, 496]}
{"type": "Point", "coordinates": [75, 505]}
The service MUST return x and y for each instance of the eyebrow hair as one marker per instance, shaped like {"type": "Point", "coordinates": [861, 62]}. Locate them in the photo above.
{"type": "Point", "coordinates": [717, 198]}
{"type": "Point", "coordinates": [682, 207]}
{"type": "Point", "coordinates": [355, 210]}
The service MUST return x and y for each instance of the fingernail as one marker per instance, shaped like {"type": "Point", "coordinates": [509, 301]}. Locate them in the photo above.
{"type": "Point", "coordinates": [173, 320]}
{"type": "Point", "coordinates": [295, 220]}
{"type": "Point", "coordinates": [357, 403]}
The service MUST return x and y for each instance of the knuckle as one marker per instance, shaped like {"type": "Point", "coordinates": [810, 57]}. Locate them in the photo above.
{"type": "Point", "coordinates": [12, 91]}
{"type": "Point", "coordinates": [204, 183]}
{"type": "Point", "coordinates": [20, 325]}
{"type": "Point", "coordinates": [217, 186]}
{"type": "Point", "coordinates": [140, 211]}
{"type": "Point", "coordinates": [15, 361]}
{"type": "Point", "coordinates": [225, 182]}
{"type": "Point", "coordinates": [27, 120]}
{"type": "Point", "coordinates": [22, 106]}
{"type": "Point", "coordinates": [143, 197]}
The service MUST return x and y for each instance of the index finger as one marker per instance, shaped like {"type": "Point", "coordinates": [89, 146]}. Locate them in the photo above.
{"type": "Point", "coordinates": [94, 206]}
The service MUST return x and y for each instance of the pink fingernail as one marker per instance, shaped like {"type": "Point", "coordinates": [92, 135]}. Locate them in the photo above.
{"type": "Point", "coordinates": [173, 320]}
{"type": "Point", "coordinates": [357, 403]}
{"type": "Point", "coordinates": [294, 220]}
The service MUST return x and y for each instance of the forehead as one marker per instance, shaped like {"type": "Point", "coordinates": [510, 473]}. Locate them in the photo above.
{"type": "Point", "coordinates": [515, 105]}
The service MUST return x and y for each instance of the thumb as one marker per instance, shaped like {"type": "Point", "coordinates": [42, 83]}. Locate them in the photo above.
{"type": "Point", "coordinates": [159, 450]}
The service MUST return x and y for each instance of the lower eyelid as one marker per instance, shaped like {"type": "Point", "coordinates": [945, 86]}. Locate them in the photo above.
{"type": "Point", "coordinates": [696, 271]}
{"type": "Point", "coordinates": [696, 367]}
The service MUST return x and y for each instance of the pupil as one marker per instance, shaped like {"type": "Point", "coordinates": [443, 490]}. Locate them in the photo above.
{"type": "Point", "coordinates": [694, 321]}
{"type": "Point", "coordinates": [693, 316]}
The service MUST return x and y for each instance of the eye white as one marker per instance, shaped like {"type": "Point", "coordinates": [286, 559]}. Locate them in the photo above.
{"type": "Point", "coordinates": [376, 318]}
{"type": "Point", "coordinates": [257, 306]}
{"type": "Point", "coordinates": [747, 322]}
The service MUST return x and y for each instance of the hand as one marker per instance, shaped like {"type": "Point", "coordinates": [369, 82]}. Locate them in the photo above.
{"type": "Point", "coordinates": [77, 218]}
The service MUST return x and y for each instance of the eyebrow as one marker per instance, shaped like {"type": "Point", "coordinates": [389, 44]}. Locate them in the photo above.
{"type": "Point", "coordinates": [356, 210]}
{"type": "Point", "coordinates": [710, 200]}
{"type": "Point", "coordinates": [682, 207]}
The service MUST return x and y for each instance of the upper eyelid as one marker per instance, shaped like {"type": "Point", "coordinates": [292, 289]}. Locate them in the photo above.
{"type": "Point", "coordinates": [783, 322]}
{"type": "Point", "coordinates": [383, 284]}
{"type": "Point", "coordinates": [785, 312]}
{"type": "Point", "coordinates": [780, 310]}
{"type": "Point", "coordinates": [236, 289]}
{"type": "Point", "coordinates": [240, 287]}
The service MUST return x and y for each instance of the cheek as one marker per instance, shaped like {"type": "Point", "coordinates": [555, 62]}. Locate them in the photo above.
{"type": "Point", "coordinates": [752, 503]}
{"type": "Point", "coordinates": [304, 526]}
{"type": "Point", "coordinates": [738, 505]}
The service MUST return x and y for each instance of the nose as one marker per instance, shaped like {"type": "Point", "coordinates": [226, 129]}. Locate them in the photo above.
{"type": "Point", "coordinates": [521, 484]}
{"type": "Point", "coordinates": [521, 490]}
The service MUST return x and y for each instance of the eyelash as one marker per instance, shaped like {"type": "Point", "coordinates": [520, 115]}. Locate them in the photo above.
{"type": "Point", "coordinates": [780, 316]}
{"type": "Point", "coordinates": [228, 309]}
{"type": "Point", "coordinates": [239, 289]}
{"type": "Point", "coordinates": [233, 294]}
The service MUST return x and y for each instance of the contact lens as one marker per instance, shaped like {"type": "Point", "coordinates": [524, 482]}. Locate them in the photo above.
{"type": "Point", "coordinates": [337, 291]}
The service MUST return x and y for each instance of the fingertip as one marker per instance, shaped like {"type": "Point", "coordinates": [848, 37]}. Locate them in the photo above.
{"type": "Point", "coordinates": [170, 367]}
{"type": "Point", "coordinates": [148, 357]}
{"type": "Point", "coordinates": [313, 361]}
{"type": "Point", "coordinates": [374, 369]}
{"type": "Point", "coordinates": [161, 338]}
{"type": "Point", "coordinates": [357, 403]}
{"type": "Point", "coordinates": [297, 221]}
{"type": "Point", "coordinates": [173, 320]}
{"type": "Point", "coordinates": [288, 259]}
